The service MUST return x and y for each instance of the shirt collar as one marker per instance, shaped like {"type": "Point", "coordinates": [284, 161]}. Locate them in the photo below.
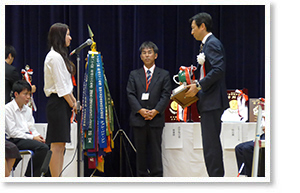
{"type": "Point", "coordinates": [151, 69]}
{"type": "Point", "coordinates": [16, 106]}
{"type": "Point", "coordinates": [205, 38]}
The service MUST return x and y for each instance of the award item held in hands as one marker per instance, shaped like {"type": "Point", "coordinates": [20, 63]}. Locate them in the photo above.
{"type": "Point", "coordinates": [178, 95]}
{"type": "Point", "coordinates": [186, 76]}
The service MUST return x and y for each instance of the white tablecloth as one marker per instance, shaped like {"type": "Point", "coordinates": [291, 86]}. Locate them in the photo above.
{"type": "Point", "coordinates": [182, 152]}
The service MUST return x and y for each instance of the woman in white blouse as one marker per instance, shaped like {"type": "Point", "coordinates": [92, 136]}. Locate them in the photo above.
{"type": "Point", "coordinates": [58, 71]}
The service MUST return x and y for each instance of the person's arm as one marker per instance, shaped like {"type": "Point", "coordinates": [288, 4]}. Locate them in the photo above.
{"type": "Point", "coordinates": [132, 94]}
{"type": "Point", "coordinates": [71, 101]}
{"type": "Point", "coordinates": [11, 127]}
{"type": "Point", "coordinates": [30, 123]}
{"type": "Point", "coordinates": [75, 108]}
{"type": "Point", "coordinates": [214, 54]}
{"type": "Point", "coordinates": [193, 89]}
{"type": "Point", "coordinates": [165, 95]}
{"type": "Point", "coordinates": [61, 78]}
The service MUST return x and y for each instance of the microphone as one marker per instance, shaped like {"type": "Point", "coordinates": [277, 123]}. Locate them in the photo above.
{"type": "Point", "coordinates": [88, 42]}
{"type": "Point", "coordinates": [46, 162]}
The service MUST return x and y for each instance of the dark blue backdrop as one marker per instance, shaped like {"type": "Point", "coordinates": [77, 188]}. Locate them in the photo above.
{"type": "Point", "coordinates": [119, 31]}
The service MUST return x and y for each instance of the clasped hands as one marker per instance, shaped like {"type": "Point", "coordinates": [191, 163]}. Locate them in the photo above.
{"type": "Point", "coordinates": [148, 114]}
{"type": "Point", "coordinates": [39, 138]}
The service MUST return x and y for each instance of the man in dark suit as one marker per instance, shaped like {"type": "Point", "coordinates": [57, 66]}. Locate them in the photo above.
{"type": "Point", "coordinates": [211, 90]}
{"type": "Point", "coordinates": [148, 91]}
{"type": "Point", "coordinates": [11, 74]}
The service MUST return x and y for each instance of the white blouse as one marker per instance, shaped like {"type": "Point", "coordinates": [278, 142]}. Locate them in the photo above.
{"type": "Point", "coordinates": [57, 78]}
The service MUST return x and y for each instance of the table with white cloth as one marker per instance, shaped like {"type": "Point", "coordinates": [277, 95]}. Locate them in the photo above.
{"type": "Point", "coordinates": [182, 151]}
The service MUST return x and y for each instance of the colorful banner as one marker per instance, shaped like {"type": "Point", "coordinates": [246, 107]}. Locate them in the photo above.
{"type": "Point", "coordinates": [97, 113]}
{"type": "Point", "coordinates": [92, 59]}
{"type": "Point", "coordinates": [101, 116]}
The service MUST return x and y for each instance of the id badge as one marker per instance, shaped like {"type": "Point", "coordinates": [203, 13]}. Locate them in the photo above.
{"type": "Point", "coordinates": [145, 96]}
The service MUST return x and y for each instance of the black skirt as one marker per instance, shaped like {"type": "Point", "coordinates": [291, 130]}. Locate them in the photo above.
{"type": "Point", "coordinates": [58, 114]}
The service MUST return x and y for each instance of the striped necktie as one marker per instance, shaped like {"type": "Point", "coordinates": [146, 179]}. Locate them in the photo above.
{"type": "Point", "coordinates": [201, 47]}
{"type": "Point", "coordinates": [202, 69]}
{"type": "Point", "coordinates": [148, 76]}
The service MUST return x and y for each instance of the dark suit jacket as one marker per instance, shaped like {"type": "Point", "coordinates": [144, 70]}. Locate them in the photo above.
{"type": "Point", "coordinates": [213, 94]}
{"type": "Point", "coordinates": [160, 91]}
{"type": "Point", "coordinates": [11, 76]}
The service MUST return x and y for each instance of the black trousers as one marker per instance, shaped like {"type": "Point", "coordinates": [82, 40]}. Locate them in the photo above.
{"type": "Point", "coordinates": [244, 154]}
{"type": "Point", "coordinates": [212, 148]}
{"type": "Point", "coordinates": [40, 151]}
{"type": "Point", "coordinates": [148, 145]}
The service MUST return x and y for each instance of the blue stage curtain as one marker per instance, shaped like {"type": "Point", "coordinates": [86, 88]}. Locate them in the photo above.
{"type": "Point", "coordinates": [120, 30]}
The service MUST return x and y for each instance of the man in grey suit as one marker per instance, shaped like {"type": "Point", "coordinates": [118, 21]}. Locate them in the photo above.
{"type": "Point", "coordinates": [148, 91]}
{"type": "Point", "coordinates": [211, 90]}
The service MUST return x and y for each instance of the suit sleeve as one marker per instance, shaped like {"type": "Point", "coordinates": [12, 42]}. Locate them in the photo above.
{"type": "Point", "coordinates": [215, 56]}
{"type": "Point", "coordinates": [132, 93]}
{"type": "Point", "coordinates": [165, 94]}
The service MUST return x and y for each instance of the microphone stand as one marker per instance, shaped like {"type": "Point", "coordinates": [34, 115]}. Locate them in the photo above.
{"type": "Point", "coordinates": [80, 162]}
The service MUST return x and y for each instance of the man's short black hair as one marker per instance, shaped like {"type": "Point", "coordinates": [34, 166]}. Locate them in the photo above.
{"type": "Point", "coordinates": [19, 86]}
{"type": "Point", "coordinates": [149, 44]}
{"type": "Point", "coordinates": [9, 49]}
{"type": "Point", "coordinates": [203, 18]}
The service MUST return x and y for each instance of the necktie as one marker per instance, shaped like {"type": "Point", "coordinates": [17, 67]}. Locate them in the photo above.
{"type": "Point", "coordinates": [201, 47]}
{"type": "Point", "coordinates": [202, 69]}
{"type": "Point", "coordinates": [148, 76]}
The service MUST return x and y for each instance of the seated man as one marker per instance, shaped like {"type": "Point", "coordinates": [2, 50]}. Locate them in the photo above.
{"type": "Point", "coordinates": [19, 126]}
{"type": "Point", "coordinates": [244, 154]}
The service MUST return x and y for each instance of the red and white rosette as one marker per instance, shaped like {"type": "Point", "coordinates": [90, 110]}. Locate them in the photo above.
{"type": "Point", "coordinates": [27, 73]}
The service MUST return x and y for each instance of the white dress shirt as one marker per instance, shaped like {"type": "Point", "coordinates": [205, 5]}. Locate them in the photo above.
{"type": "Point", "coordinates": [205, 38]}
{"type": "Point", "coordinates": [19, 123]}
{"type": "Point", "coordinates": [151, 69]}
{"type": "Point", "coordinates": [57, 78]}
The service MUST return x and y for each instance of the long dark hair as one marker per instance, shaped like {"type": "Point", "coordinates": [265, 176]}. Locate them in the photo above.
{"type": "Point", "coordinates": [57, 40]}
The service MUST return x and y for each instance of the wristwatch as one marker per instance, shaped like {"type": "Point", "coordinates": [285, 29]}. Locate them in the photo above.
{"type": "Point", "coordinates": [198, 86]}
